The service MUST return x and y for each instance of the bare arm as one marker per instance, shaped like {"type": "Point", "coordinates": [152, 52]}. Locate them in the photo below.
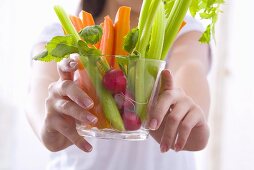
{"type": "Point", "coordinates": [42, 75]}
{"type": "Point", "coordinates": [190, 65]}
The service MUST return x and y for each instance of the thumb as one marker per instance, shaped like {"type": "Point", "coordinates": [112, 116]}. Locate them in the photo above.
{"type": "Point", "coordinates": [66, 68]}
{"type": "Point", "coordinates": [167, 82]}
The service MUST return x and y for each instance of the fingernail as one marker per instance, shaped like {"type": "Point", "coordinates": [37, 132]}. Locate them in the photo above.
{"type": "Point", "coordinates": [153, 124]}
{"type": "Point", "coordinates": [88, 104]}
{"type": "Point", "coordinates": [88, 148]}
{"type": "Point", "coordinates": [73, 64]}
{"type": "Point", "coordinates": [164, 148]}
{"type": "Point", "coordinates": [177, 148]}
{"type": "Point", "coordinates": [91, 118]}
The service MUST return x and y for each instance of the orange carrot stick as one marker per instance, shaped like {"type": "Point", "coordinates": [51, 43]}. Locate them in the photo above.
{"type": "Point", "coordinates": [86, 18]}
{"type": "Point", "coordinates": [182, 25]}
{"type": "Point", "coordinates": [76, 21]}
{"type": "Point", "coordinates": [122, 27]}
{"type": "Point", "coordinates": [107, 41]}
{"type": "Point", "coordinates": [85, 84]}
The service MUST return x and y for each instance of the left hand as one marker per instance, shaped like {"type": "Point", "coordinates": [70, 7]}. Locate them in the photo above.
{"type": "Point", "coordinates": [176, 121]}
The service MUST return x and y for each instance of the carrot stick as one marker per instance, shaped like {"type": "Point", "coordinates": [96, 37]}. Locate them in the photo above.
{"type": "Point", "coordinates": [76, 21]}
{"type": "Point", "coordinates": [182, 25]}
{"type": "Point", "coordinates": [122, 27]}
{"type": "Point", "coordinates": [86, 18]}
{"type": "Point", "coordinates": [85, 84]}
{"type": "Point", "coordinates": [107, 41]}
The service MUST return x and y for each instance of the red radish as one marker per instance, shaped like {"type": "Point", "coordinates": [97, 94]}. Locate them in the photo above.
{"type": "Point", "coordinates": [115, 81]}
{"type": "Point", "coordinates": [119, 99]}
{"type": "Point", "coordinates": [131, 121]}
{"type": "Point", "coordinates": [125, 101]}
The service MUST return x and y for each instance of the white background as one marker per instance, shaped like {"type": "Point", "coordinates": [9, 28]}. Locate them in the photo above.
{"type": "Point", "coordinates": [232, 86]}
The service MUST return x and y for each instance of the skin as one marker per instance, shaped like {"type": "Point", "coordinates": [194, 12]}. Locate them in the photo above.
{"type": "Point", "coordinates": [178, 121]}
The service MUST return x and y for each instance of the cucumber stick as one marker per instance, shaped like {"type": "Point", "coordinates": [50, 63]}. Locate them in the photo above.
{"type": "Point", "coordinates": [108, 103]}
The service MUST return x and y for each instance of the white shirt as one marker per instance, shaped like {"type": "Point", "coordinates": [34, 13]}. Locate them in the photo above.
{"type": "Point", "coordinates": [120, 155]}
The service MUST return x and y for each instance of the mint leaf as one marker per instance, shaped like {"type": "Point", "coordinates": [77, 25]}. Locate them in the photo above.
{"type": "Point", "coordinates": [58, 48]}
{"type": "Point", "coordinates": [91, 34]}
{"type": "Point", "coordinates": [62, 50]}
{"type": "Point", "coordinates": [68, 40]}
{"type": "Point", "coordinates": [86, 51]}
{"type": "Point", "coordinates": [131, 40]}
{"type": "Point", "coordinates": [45, 57]}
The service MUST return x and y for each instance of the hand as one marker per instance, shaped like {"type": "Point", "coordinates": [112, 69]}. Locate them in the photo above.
{"type": "Point", "coordinates": [65, 104]}
{"type": "Point", "coordinates": [176, 121]}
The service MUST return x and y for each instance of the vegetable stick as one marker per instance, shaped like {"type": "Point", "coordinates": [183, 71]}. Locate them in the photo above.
{"type": "Point", "coordinates": [122, 27]}
{"type": "Point", "coordinates": [85, 84]}
{"type": "Point", "coordinates": [182, 25]}
{"type": "Point", "coordinates": [76, 21]}
{"type": "Point", "coordinates": [107, 40]}
{"type": "Point", "coordinates": [86, 18]}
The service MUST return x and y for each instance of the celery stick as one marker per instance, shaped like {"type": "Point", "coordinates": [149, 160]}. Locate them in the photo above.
{"type": "Point", "coordinates": [108, 103]}
{"type": "Point", "coordinates": [157, 36]}
{"type": "Point", "coordinates": [143, 14]}
{"type": "Point", "coordinates": [175, 19]}
{"type": "Point", "coordinates": [66, 22]}
{"type": "Point", "coordinates": [141, 48]}
{"type": "Point", "coordinates": [140, 87]}
{"type": "Point", "coordinates": [146, 32]}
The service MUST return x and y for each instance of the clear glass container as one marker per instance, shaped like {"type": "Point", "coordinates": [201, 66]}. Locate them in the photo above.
{"type": "Point", "coordinates": [122, 96]}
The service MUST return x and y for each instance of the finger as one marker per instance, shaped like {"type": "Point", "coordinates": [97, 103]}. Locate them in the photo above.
{"type": "Point", "coordinates": [173, 120]}
{"type": "Point", "coordinates": [190, 121]}
{"type": "Point", "coordinates": [71, 90]}
{"type": "Point", "coordinates": [66, 68]}
{"type": "Point", "coordinates": [167, 82]}
{"type": "Point", "coordinates": [70, 108]}
{"type": "Point", "coordinates": [69, 130]}
{"type": "Point", "coordinates": [157, 113]}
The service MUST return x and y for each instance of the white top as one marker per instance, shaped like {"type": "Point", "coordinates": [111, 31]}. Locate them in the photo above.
{"type": "Point", "coordinates": [120, 155]}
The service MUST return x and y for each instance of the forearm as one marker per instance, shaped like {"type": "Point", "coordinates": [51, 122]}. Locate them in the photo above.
{"type": "Point", "coordinates": [191, 76]}
{"type": "Point", "coordinates": [192, 79]}
{"type": "Point", "coordinates": [38, 91]}
{"type": "Point", "coordinates": [35, 105]}
{"type": "Point", "coordinates": [190, 65]}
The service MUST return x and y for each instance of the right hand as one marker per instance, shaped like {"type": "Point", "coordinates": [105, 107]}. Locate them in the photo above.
{"type": "Point", "coordinates": [66, 103]}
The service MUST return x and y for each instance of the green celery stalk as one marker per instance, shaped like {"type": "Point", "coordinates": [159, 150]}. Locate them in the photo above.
{"type": "Point", "coordinates": [147, 18]}
{"type": "Point", "coordinates": [108, 103]}
{"type": "Point", "coordinates": [158, 33]}
{"type": "Point", "coordinates": [143, 14]}
{"type": "Point", "coordinates": [175, 19]}
{"type": "Point", "coordinates": [146, 32]}
{"type": "Point", "coordinates": [66, 22]}
{"type": "Point", "coordinates": [140, 87]}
